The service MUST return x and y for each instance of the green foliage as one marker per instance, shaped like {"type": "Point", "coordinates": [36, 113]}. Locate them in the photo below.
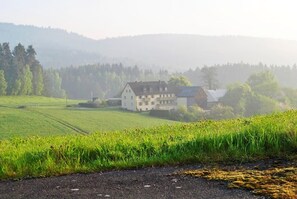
{"type": "Point", "coordinates": [26, 81]}
{"type": "Point", "coordinates": [179, 81]}
{"type": "Point", "coordinates": [239, 72]}
{"type": "Point", "coordinates": [22, 71]}
{"type": "Point", "coordinates": [190, 114]}
{"type": "Point", "coordinates": [236, 97]}
{"type": "Point", "coordinates": [3, 83]}
{"type": "Point", "coordinates": [15, 90]}
{"type": "Point", "coordinates": [239, 140]}
{"type": "Point", "coordinates": [219, 112]}
{"type": "Point", "coordinates": [52, 84]}
{"type": "Point", "coordinates": [260, 104]}
{"type": "Point", "coordinates": [38, 84]}
{"type": "Point", "coordinates": [261, 95]}
{"type": "Point", "coordinates": [264, 83]}
{"type": "Point", "coordinates": [291, 95]}
{"type": "Point", "coordinates": [103, 80]}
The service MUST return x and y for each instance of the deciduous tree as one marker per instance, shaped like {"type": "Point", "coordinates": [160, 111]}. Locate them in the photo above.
{"type": "Point", "coordinates": [3, 83]}
{"type": "Point", "coordinates": [209, 76]}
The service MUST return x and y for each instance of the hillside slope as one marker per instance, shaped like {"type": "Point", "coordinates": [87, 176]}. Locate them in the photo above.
{"type": "Point", "coordinates": [59, 48]}
{"type": "Point", "coordinates": [54, 47]}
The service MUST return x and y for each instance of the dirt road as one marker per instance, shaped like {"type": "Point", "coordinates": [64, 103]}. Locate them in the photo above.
{"type": "Point", "coordinates": [140, 184]}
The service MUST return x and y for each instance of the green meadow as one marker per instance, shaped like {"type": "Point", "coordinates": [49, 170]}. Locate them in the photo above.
{"type": "Point", "coordinates": [236, 140]}
{"type": "Point", "coordinates": [41, 116]}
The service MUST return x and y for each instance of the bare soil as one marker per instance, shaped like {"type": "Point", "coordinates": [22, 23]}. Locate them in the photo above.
{"type": "Point", "coordinates": [140, 183]}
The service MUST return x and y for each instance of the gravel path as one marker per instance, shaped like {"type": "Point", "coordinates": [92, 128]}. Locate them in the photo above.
{"type": "Point", "coordinates": [140, 184]}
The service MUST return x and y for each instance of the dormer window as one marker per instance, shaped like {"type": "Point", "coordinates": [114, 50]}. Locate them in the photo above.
{"type": "Point", "coordinates": [151, 89]}
{"type": "Point", "coordinates": [165, 88]}
{"type": "Point", "coordinates": [144, 89]}
{"type": "Point", "coordinates": [161, 89]}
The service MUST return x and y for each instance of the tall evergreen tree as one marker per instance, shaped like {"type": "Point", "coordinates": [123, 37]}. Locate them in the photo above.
{"type": "Point", "coordinates": [36, 69]}
{"type": "Point", "coordinates": [209, 76]}
{"type": "Point", "coordinates": [30, 55]}
{"type": "Point", "coordinates": [18, 70]}
{"type": "Point", "coordinates": [19, 55]}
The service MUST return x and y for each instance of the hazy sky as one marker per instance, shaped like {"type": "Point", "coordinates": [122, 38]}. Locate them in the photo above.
{"type": "Point", "coordinates": [111, 18]}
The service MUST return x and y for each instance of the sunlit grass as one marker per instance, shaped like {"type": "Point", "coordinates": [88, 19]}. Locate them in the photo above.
{"type": "Point", "coordinates": [15, 101]}
{"type": "Point", "coordinates": [22, 116]}
{"type": "Point", "coordinates": [107, 119]}
{"type": "Point", "coordinates": [208, 141]}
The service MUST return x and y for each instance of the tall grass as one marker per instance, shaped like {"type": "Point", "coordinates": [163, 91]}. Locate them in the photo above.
{"type": "Point", "coordinates": [209, 141]}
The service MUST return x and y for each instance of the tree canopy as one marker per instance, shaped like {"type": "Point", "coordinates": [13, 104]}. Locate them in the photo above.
{"type": "Point", "coordinates": [22, 74]}
{"type": "Point", "coordinates": [179, 81]}
{"type": "Point", "coordinates": [264, 83]}
{"type": "Point", "coordinates": [209, 77]}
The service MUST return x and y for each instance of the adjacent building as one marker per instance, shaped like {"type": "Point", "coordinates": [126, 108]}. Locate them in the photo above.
{"type": "Point", "coordinates": [191, 95]}
{"type": "Point", "coordinates": [213, 96]}
{"type": "Point", "coordinates": [146, 96]}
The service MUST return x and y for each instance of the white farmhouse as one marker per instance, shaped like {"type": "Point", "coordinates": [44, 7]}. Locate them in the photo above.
{"type": "Point", "coordinates": [145, 96]}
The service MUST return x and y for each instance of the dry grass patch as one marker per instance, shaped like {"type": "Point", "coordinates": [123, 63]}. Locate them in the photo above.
{"type": "Point", "coordinates": [274, 182]}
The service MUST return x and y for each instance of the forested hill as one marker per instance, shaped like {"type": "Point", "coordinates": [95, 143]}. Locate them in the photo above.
{"type": "Point", "coordinates": [59, 48]}
{"type": "Point", "coordinates": [55, 47]}
{"type": "Point", "coordinates": [180, 52]}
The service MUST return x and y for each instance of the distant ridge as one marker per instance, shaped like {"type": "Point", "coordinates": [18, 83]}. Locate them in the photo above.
{"type": "Point", "coordinates": [55, 47]}
{"type": "Point", "coordinates": [59, 48]}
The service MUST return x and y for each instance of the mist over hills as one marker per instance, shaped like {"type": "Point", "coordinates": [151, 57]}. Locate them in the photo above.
{"type": "Point", "coordinates": [59, 48]}
{"type": "Point", "coordinates": [55, 47]}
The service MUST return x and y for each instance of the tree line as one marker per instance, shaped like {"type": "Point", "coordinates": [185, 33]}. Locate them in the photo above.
{"type": "Point", "coordinates": [22, 74]}
{"type": "Point", "coordinates": [103, 80]}
{"type": "Point", "coordinates": [107, 80]}
{"type": "Point", "coordinates": [220, 76]}
{"type": "Point", "coordinates": [260, 94]}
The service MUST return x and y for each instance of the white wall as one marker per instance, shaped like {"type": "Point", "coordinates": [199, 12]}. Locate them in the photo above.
{"type": "Point", "coordinates": [128, 99]}
{"type": "Point", "coordinates": [147, 102]}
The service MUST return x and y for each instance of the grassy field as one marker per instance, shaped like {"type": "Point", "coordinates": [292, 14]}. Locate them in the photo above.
{"type": "Point", "coordinates": [209, 141]}
{"type": "Point", "coordinates": [49, 116]}
{"type": "Point", "coordinates": [15, 101]}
